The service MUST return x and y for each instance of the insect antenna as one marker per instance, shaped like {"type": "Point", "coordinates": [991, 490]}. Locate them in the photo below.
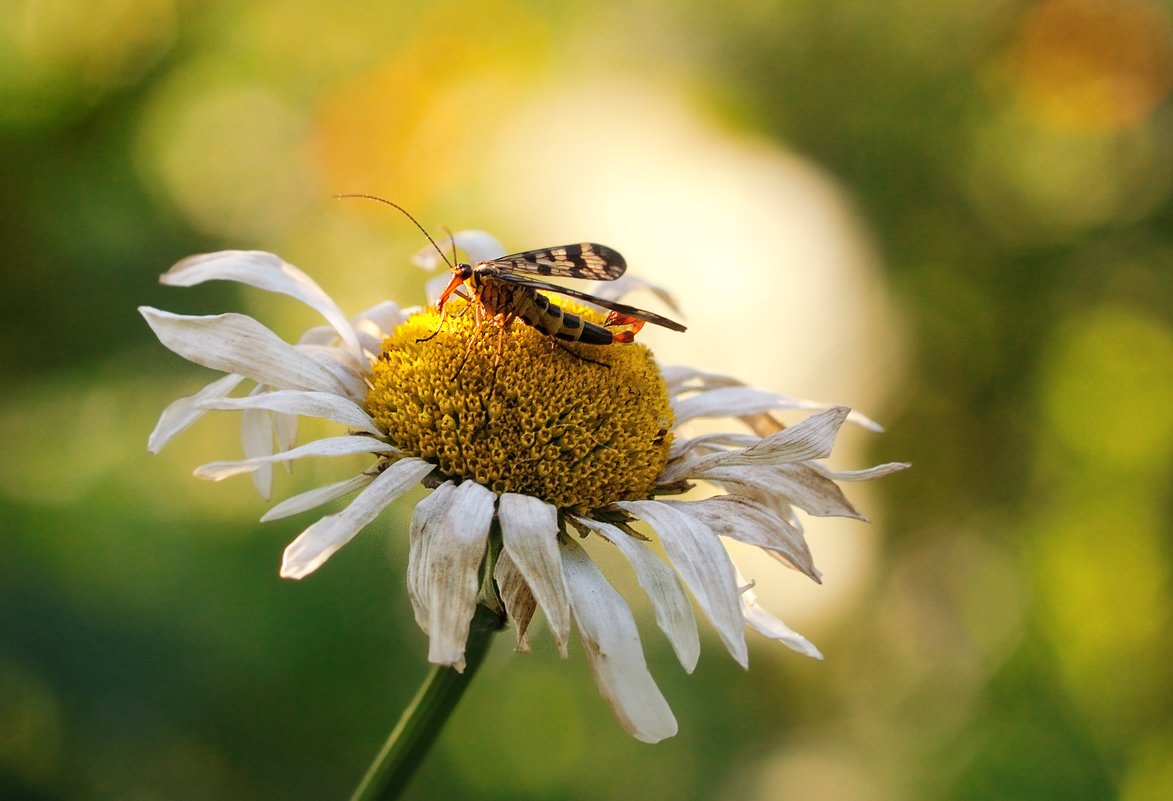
{"type": "Point", "coordinates": [407, 214]}
{"type": "Point", "coordinates": [451, 241]}
{"type": "Point", "coordinates": [451, 264]}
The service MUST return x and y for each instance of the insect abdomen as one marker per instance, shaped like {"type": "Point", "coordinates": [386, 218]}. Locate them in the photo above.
{"type": "Point", "coordinates": [552, 319]}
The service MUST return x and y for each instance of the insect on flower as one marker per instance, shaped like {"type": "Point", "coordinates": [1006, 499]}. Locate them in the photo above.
{"type": "Point", "coordinates": [502, 291]}
{"type": "Point", "coordinates": [515, 481]}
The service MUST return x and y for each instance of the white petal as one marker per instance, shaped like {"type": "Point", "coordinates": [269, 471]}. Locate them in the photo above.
{"type": "Point", "coordinates": [710, 443]}
{"type": "Point", "coordinates": [879, 471]}
{"type": "Point", "coordinates": [235, 343]}
{"type": "Point", "coordinates": [673, 610]}
{"type": "Point", "coordinates": [858, 418]}
{"type": "Point", "coordinates": [753, 523]}
{"type": "Point", "coordinates": [520, 603]}
{"type": "Point", "coordinates": [478, 246]}
{"type": "Point", "coordinates": [319, 542]}
{"type": "Point", "coordinates": [529, 532]}
{"type": "Point", "coordinates": [328, 446]}
{"type": "Point", "coordinates": [371, 326]}
{"type": "Point", "coordinates": [351, 375]}
{"type": "Point", "coordinates": [764, 623]}
{"type": "Point", "coordinates": [183, 412]}
{"type": "Point", "coordinates": [762, 423]}
{"type": "Point", "coordinates": [701, 559]}
{"type": "Point", "coordinates": [681, 379]}
{"type": "Point", "coordinates": [813, 438]}
{"type": "Point", "coordinates": [434, 287]}
{"type": "Point", "coordinates": [316, 497]}
{"type": "Point", "coordinates": [728, 402]}
{"type": "Point", "coordinates": [264, 271]}
{"type": "Point", "coordinates": [285, 429]}
{"type": "Point", "coordinates": [612, 647]}
{"type": "Point", "coordinates": [797, 484]}
{"type": "Point", "coordinates": [814, 493]}
{"type": "Point", "coordinates": [318, 335]}
{"type": "Point", "coordinates": [256, 436]}
{"type": "Point", "coordinates": [381, 319]}
{"type": "Point", "coordinates": [423, 526]}
{"type": "Point", "coordinates": [452, 578]}
{"type": "Point", "coordinates": [376, 323]}
{"type": "Point", "coordinates": [307, 404]}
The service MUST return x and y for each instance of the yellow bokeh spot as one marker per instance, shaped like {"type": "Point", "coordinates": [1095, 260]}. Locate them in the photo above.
{"type": "Point", "coordinates": [1096, 64]}
{"type": "Point", "coordinates": [190, 148]}
{"type": "Point", "coordinates": [58, 58]}
{"type": "Point", "coordinates": [1149, 776]}
{"type": "Point", "coordinates": [412, 122]}
{"type": "Point", "coordinates": [1104, 593]}
{"type": "Point", "coordinates": [1100, 547]}
{"type": "Point", "coordinates": [1108, 393]}
{"type": "Point", "coordinates": [515, 411]}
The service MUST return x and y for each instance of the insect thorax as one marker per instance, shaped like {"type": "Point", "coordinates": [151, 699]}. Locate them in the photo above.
{"type": "Point", "coordinates": [500, 297]}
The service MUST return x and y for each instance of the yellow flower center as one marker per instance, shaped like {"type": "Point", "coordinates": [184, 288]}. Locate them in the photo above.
{"type": "Point", "coordinates": [517, 412]}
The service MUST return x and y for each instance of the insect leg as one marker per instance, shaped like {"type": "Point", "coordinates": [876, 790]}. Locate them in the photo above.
{"type": "Point", "coordinates": [579, 355]}
{"type": "Point", "coordinates": [439, 328]}
{"type": "Point", "coordinates": [473, 340]}
{"type": "Point", "coordinates": [466, 297]}
{"type": "Point", "coordinates": [454, 285]}
{"type": "Point", "coordinates": [460, 293]}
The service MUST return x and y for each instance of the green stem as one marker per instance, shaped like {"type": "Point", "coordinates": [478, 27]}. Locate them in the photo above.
{"type": "Point", "coordinates": [423, 720]}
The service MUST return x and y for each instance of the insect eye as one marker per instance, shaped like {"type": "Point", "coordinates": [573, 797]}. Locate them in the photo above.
{"type": "Point", "coordinates": [465, 270]}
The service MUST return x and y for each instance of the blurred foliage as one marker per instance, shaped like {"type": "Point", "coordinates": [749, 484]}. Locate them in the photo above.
{"type": "Point", "coordinates": [1013, 162]}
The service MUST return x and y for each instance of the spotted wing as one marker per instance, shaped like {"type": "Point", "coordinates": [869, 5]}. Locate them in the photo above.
{"type": "Point", "coordinates": [584, 260]}
{"type": "Point", "coordinates": [622, 308]}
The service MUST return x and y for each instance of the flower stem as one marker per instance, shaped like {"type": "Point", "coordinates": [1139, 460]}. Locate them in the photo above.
{"type": "Point", "coordinates": [423, 720]}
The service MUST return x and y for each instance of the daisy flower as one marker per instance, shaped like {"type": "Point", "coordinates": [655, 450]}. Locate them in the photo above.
{"type": "Point", "coordinates": [534, 456]}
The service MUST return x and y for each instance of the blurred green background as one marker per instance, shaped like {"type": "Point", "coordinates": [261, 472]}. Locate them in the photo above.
{"type": "Point", "coordinates": [953, 216]}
